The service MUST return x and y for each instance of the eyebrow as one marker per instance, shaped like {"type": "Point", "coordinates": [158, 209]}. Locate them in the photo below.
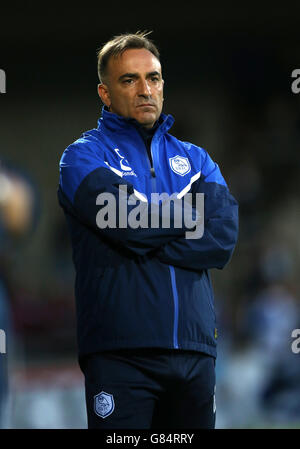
{"type": "Point", "coordinates": [136, 75]}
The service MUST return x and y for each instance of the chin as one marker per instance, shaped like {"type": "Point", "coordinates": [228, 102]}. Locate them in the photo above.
{"type": "Point", "coordinates": [148, 122]}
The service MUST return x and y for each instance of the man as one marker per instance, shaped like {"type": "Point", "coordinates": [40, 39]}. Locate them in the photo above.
{"type": "Point", "coordinates": [146, 323]}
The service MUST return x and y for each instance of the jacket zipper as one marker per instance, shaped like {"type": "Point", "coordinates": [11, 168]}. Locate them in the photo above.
{"type": "Point", "coordinates": [171, 268]}
{"type": "Point", "coordinates": [175, 299]}
{"type": "Point", "coordinates": [152, 171]}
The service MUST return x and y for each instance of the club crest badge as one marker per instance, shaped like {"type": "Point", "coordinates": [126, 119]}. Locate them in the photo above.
{"type": "Point", "coordinates": [180, 165]}
{"type": "Point", "coordinates": [104, 404]}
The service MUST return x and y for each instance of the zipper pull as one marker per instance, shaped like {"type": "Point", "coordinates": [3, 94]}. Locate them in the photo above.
{"type": "Point", "coordinates": [152, 171]}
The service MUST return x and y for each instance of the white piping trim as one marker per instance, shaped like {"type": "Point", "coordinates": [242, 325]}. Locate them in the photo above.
{"type": "Point", "coordinates": [140, 196]}
{"type": "Point", "coordinates": [187, 188]}
{"type": "Point", "coordinates": [118, 172]}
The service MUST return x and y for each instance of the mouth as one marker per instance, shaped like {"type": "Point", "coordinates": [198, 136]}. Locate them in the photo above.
{"type": "Point", "coordinates": [146, 105]}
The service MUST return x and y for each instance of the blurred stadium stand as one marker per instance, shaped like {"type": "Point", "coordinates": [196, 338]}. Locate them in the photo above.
{"type": "Point", "coordinates": [228, 80]}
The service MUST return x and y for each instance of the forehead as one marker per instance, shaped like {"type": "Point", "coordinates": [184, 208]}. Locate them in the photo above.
{"type": "Point", "coordinates": [133, 60]}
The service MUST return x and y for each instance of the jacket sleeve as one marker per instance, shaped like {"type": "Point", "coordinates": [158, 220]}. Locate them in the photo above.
{"type": "Point", "coordinates": [84, 175]}
{"type": "Point", "coordinates": [214, 248]}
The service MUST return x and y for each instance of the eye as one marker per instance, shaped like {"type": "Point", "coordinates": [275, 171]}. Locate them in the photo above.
{"type": "Point", "coordinates": [128, 81]}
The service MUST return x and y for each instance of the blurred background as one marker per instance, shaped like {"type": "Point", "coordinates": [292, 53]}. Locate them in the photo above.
{"type": "Point", "coordinates": [227, 72]}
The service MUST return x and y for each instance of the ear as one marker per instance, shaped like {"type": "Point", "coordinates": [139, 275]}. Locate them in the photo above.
{"type": "Point", "coordinates": [104, 94]}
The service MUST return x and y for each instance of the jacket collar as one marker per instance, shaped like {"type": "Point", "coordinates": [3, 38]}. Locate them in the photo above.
{"type": "Point", "coordinates": [116, 122]}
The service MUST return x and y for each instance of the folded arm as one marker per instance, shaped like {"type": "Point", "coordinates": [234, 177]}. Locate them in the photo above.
{"type": "Point", "coordinates": [216, 245]}
{"type": "Point", "coordinates": [87, 185]}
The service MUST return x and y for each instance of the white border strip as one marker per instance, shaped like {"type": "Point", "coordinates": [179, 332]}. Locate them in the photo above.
{"type": "Point", "coordinates": [140, 196]}
{"type": "Point", "coordinates": [187, 188]}
{"type": "Point", "coordinates": [118, 172]}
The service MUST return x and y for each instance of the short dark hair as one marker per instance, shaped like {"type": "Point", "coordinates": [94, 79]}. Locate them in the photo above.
{"type": "Point", "coordinates": [118, 44]}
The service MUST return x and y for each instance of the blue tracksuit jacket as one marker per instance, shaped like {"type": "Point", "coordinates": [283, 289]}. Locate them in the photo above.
{"type": "Point", "coordinates": [143, 287]}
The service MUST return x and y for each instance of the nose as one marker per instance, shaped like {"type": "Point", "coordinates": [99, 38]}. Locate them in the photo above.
{"type": "Point", "coordinates": [144, 89]}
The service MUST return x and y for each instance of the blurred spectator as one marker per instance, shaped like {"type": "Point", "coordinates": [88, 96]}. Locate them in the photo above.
{"type": "Point", "coordinates": [273, 312]}
{"type": "Point", "coordinates": [16, 218]}
{"type": "Point", "coordinates": [261, 372]}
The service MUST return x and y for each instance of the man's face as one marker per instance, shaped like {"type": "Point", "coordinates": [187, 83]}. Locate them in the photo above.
{"type": "Point", "coordinates": [133, 86]}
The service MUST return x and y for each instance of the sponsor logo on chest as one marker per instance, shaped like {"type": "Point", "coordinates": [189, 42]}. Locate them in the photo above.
{"type": "Point", "coordinates": [124, 165]}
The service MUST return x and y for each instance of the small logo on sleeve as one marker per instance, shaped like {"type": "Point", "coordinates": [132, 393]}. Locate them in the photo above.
{"type": "Point", "coordinates": [104, 404]}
